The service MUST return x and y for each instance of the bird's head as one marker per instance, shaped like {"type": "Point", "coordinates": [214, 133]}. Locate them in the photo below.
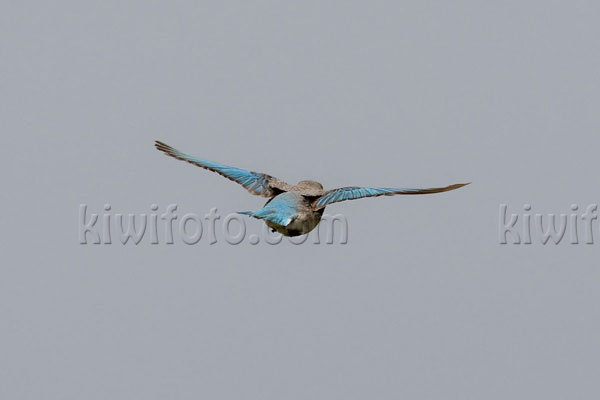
{"type": "Point", "coordinates": [310, 188]}
{"type": "Point", "coordinates": [309, 185]}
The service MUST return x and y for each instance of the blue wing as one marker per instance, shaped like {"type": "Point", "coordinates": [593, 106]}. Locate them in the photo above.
{"type": "Point", "coordinates": [351, 193]}
{"type": "Point", "coordinates": [255, 182]}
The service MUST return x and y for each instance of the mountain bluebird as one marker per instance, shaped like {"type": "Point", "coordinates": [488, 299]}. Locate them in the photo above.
{"type": "Point", "coordinates": [292, 210]}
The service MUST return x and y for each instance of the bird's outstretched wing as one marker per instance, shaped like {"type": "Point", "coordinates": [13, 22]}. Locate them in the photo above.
{"type": "Point", "coordinates": [351, 193]}
{"type": "Point", "coordinates": [255, 182]}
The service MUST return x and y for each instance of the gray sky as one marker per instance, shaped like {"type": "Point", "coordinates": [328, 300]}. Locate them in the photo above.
{"type": "Point", "coordinates": [421, 303]}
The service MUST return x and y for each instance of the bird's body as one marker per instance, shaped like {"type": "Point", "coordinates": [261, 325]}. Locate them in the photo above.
{"type": "Point", "coordinates": [292, 210]}
{"type": "Point", "coordinates": [289, 213]}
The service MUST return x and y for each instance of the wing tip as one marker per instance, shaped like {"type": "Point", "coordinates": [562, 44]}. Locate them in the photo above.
{"type": "Point", "coordinates": [457, 185]}
{"type": "Point", "coordinates": [161, 145]}
{"type": "Point", "coordinates": [165, 148]}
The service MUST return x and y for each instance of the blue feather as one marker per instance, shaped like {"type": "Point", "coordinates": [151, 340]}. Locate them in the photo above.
{"type": "Point", "coordinates": [281, 210]}
{"type": "Point", "coordinates": [255, 182]}
{"type": "Point", "coordinates": [350, 193]}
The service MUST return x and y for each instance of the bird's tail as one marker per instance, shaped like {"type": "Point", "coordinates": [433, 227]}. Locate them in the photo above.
{"type": "Point", "coordinates": [270, 215]}
{"type": "Point", "coordinates": [260, 214]}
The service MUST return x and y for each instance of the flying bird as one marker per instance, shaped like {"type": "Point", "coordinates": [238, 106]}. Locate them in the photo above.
{"type": "Point", "coordinates": [292, 210]}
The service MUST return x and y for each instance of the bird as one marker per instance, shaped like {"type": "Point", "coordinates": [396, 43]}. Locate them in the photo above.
{"type": "Point", "coordinates": [292, 210]}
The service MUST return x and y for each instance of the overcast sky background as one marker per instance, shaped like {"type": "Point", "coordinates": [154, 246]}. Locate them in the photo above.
{"type": "Point", "coordinates": [421, 303]}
